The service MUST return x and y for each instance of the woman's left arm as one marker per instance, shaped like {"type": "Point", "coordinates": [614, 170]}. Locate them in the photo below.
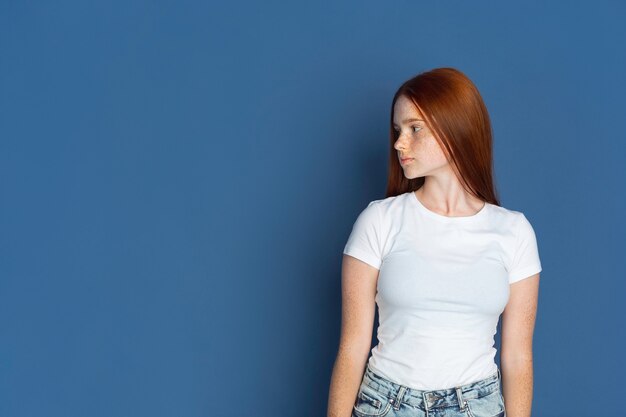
{"type": "Point", "coordinates": [516, 355]}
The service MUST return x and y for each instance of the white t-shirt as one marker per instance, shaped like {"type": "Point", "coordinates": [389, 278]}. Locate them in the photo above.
{"type": "Point", "coordinates": [443, 283]}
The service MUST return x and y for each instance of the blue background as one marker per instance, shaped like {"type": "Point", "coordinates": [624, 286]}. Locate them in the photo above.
{"type": "Point", "coordinates": [178, 180]}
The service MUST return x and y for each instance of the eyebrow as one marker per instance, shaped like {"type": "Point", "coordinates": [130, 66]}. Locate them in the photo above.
{"type": "Point", "coordinates": [405, 121]}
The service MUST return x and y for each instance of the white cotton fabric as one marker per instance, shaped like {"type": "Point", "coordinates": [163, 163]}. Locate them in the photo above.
{"type": "Point", "coordinates": [443, 283]}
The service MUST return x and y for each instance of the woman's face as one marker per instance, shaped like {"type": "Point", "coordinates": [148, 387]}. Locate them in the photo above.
{"type": "Point", "coordinates": [416, 141]}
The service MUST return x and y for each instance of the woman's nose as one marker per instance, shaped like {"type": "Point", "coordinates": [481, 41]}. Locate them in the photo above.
{"type": "Point", "coordinates": [400, 143]}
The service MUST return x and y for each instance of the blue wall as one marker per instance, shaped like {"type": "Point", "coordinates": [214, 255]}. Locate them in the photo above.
{"type": "Point", "coordinates": [178, 180]}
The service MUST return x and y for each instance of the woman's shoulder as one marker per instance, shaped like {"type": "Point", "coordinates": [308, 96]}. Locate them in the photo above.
{"type": "Point", "coordinates": [506, 216]}
{"type": "Point", "coordinates": [387, 206]}
{"type": "Point", "coordinates": [390, 201]}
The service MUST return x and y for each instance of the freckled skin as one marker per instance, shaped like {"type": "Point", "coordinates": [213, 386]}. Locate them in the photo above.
{"type": "Point", "coordinates": [417, 143]}
{"type": "Point", "coordinates": [442, 191]}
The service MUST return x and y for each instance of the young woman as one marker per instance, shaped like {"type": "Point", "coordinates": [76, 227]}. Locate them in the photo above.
{"type": "Point", "coordinates": [443, 260]}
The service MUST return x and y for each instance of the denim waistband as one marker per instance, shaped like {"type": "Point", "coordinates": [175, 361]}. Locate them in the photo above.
{"type": "Point", "coordinates": [426, 400]}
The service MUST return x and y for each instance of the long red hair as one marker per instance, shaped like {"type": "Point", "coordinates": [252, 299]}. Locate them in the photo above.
{"type": "Point", "coordinates": [454, 111]}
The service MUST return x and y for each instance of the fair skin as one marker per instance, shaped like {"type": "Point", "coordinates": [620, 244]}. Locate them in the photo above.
{"type": "Point", "coordinates": [442, 193]}
{"type": "Point", "coordinates": [358, 292]}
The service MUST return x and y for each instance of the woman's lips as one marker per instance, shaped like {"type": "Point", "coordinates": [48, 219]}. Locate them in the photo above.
{"type": "Point", "coordinates": [404, 161]}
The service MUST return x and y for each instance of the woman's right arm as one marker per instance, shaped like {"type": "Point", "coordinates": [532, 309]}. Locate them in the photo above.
{"type": "Point", "coordinates": [358, 305]}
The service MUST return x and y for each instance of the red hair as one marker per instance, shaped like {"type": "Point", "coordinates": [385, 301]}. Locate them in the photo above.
{"type": "Point", "coordinates": [454, 111]}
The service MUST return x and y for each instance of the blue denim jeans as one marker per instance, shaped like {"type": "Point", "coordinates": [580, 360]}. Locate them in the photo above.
{"type": "Point", "coordinates": [379, 397]}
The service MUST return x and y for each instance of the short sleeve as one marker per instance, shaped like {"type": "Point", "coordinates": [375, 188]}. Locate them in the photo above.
{"type": "Point", "coordinates": [525, 259]}
{"type": "Point", "coordinates": [364, 240]}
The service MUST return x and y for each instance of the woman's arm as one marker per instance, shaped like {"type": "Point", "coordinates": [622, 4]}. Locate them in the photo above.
{"type": "Point", "coordinates": [518, 324]}
{"type": "Point", "coordinates": [358, 305]}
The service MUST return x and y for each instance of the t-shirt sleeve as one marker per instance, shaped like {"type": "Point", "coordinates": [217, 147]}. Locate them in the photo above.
{"type": "Point", "coordinates": [364, 240]}
{"type": "Point", "coordinates": [526, 261]}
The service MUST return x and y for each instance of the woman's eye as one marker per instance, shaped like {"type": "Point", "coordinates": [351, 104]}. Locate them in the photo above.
{"type": "Point", "coordinates": [397, 131]}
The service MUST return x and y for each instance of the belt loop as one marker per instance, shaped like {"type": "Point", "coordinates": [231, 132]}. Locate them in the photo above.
{"type": "Point", "coordinates": [459, 396]}
{"type": "Point", "coordinates": [398, 400]}
{"type": "Point", "coordinates": [425, 400]}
